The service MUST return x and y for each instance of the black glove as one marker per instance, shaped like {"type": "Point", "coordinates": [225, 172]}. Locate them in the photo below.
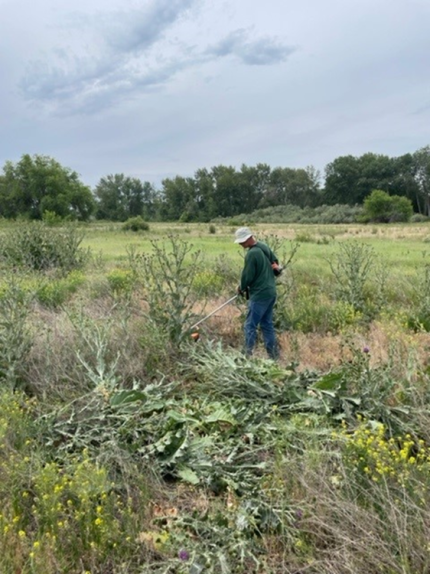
{"type": "Point", "coordinates": [243, 292]}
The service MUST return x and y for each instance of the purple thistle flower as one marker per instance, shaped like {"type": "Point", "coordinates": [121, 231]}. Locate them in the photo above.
{"type": "Point", "coordinates": [366, 350]}
{"type": "Point", "coordinates": [183, 555]}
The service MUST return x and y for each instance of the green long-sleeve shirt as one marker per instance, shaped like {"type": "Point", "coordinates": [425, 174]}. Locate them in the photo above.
{"type": "Point", "coordinates": [257, 274]}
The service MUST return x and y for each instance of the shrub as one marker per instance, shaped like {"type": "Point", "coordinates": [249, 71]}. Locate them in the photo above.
{"type": "Point", "coordinates": [304, 237]}
{"type": "Point", "coordinates": [135, 224]}
{"type": "Point", "coordinates": [121, 281]}
{"type": "Point", "coordinates": [54, 293]}
{"type": "Point", "coordinates": [37, 247]}
{"type": "Point", "coordinates": [381, 207]}
{"type": "Point", "coordinates": [51, 218]}
{"type": "Point", "coordinates": [419, 218]}
{"type": "Point", "coordinates": [167, 276]}
{"type": "Point", "coordinates": [212, 229]}
{"type": "Point", "coordinates": [401, 209]}
{"type": "Point", "coordinates": [370, 450]}
{"type": "Point", "coordinates": [324, 214]}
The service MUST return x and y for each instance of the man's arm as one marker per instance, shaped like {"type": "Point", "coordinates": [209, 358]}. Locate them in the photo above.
{"type": "Point", "coordinates": [249, 271]}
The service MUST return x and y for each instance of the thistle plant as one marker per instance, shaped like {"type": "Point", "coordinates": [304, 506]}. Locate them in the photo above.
{"type": "Point", "coordinates": [168, 275]}
{"type": "Point", "coordinates": [15, 336]}
{"type": "Point", "coordinates": [38, 247]}
{"type": "Point", "coordinates": [351, 267]}
{"type": "Point", "coordinates": [419, 318]}
{"type": "Point", "coordinates": [99, 364]}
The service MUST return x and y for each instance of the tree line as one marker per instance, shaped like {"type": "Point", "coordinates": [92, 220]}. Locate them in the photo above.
{"type": "Point", "coordinates": [39, 185]}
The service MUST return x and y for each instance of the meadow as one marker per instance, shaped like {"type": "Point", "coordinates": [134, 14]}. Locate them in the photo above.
{"type": "Point", "coordinates": [127, 447]}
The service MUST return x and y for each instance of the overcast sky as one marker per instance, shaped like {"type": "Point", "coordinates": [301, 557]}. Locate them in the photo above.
{"type": "Point", "coordinates": [158, 88]}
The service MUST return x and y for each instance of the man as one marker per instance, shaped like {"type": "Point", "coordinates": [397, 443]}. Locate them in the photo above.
{"type": "Point", "coordinates": [258, 279]}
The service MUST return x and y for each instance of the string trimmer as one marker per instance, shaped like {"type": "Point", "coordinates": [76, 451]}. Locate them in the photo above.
{"type": "Point", "coordinates": [195, 334]}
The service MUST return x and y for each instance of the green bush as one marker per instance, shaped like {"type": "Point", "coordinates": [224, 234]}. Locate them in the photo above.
{"type": "Point", "coordinates": [381, 207]}
{"type": "Point", "coordinates": [51, 218]}
{"type": "Point", "coordinates": [121, 280]}
{"type": "Point", "coordinates": [135, 224]}
{"type": "Point", "coordinates": [38, 247]}
{"type": "Point", "coordinates": [401, 209]}
{"type": "Point", "coordinates": [419, 218]}
{"type": "Point", "coordinates": [55, 293]}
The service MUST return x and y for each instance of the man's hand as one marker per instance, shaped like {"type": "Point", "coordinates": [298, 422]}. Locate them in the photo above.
{"type": "Point", "coordinates": [277, 269]}
{"type": "Point", "coordinates": [243, 292]}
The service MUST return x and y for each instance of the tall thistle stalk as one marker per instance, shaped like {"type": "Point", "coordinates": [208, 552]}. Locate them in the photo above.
{"type": "Point", "coordinates": [167, 276]}
{"type": "Point", "coordinates": [15, 336]}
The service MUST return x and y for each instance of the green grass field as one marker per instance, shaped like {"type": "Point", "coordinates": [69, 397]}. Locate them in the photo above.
{"type": "Point", "coordinates": [402, 246]}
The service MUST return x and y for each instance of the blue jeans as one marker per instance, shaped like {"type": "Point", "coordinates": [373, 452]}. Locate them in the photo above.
{"type": "Point", "coordinates": [261, 313]}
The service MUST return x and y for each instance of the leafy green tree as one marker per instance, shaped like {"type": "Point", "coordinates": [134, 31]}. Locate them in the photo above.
{"type": "Point", "coordinates": [381, 207]}
{"type": "Point", "coordinates": [39, 183]}
{"type": "Point", "coordinates": [341, 176]}
{"type": "Point", "coordinates": [119, 197]}
{"type": "Point", "coordinates": [256, 179]}
{"type": "Point", "coordinates": [292, 186]}
{"type": "Point", "coordinates": [350, 180]}
{"type": "Point", "coordinates": [224, 191]}
{"type": "Point", "coordinates": [233, 193]}
{"type": "Point", "coordinates": [151, 201]}
{"type": "Point", "coordinates": [404, 182]}
{"type": "Point", "coordinates": [179, 199]}
{"type": "Point", "coordinates": [205, 194]}
{"type": "Point", "coordinates": [421, 159]}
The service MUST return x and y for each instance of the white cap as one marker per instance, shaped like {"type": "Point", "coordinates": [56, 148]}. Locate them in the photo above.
{"type": "Point", "coordinates": [242, 234]}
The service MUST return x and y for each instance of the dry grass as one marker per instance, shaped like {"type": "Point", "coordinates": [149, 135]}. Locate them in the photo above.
{"type": "Point", "coordinates": [345, 536]}
{"type": "Point", "coordinates": [322, 352]}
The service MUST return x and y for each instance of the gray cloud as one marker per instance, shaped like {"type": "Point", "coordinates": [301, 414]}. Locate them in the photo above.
{"type": "Point", "coordinates": [121, 86]}
{"type": "Point", "coordinates": [137, 30]}
{"type": "Point", "coordinates": [259, 52]}
{"type": "Point", "coordinates": [126, 40]}
{"type": "Point", "coordinates": [66, 78]}
{"type": "Point", "coordinates": [119, 58]}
